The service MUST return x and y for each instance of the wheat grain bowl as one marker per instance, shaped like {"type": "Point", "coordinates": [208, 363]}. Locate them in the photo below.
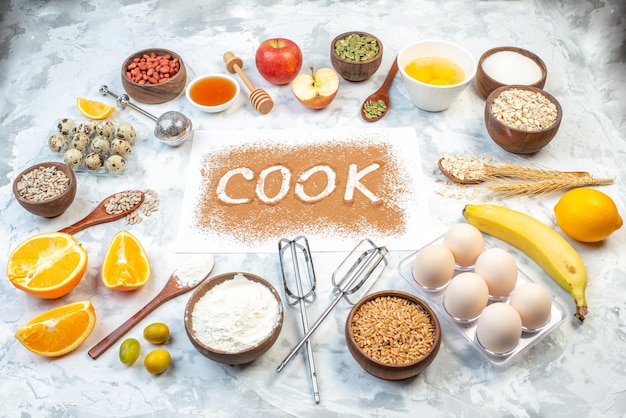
{"type": "Point", "coordinates": [393, 335]}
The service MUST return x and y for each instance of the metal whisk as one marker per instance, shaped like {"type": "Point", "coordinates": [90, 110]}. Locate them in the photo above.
{"type": "Point", "coordinates": [297, 251]}
{"type": "Point", "coordinates": [348, 280]}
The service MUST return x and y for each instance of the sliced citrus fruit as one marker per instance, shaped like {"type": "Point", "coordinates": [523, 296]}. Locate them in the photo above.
{"type": "Point", "coordinates": [47, 265]}
{"type": "Point", "coordinates": [94, 109]}
{"type": "Point", "coordinates": [59, 330]}
{"type": "Point", "coordinates": [126, 265]}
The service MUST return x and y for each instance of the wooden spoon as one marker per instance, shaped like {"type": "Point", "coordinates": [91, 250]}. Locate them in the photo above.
{"type": "Point", "coordinates": [381, 94]}
{"type": "Point", "coordinates": [173, 288]}
{"type": "Point", "coordinates": [100, 215]}
{"type": "Point", "coordinates": [487, 172]}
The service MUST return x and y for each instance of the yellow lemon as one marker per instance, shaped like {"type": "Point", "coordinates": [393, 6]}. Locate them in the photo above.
{"type": "Point", "coordinates": [157, 361]}
{"type": "Point", "coordinates": [93, 109]}
{"type": "Point", "coordinates": [587, 215]}
{"type": "Point", "coordinates": [156, 333]}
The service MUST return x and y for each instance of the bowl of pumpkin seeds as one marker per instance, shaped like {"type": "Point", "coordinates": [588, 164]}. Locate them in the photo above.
{"type": "Point", "coordinates": [356, 55]}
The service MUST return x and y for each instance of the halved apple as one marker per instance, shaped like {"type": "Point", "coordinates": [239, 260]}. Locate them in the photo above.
{"type": "Point", "coordinates": [316, 90]}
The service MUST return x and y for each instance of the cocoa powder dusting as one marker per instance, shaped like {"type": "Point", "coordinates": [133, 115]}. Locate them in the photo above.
{"type": "Point", "coordinates": [249, 215]}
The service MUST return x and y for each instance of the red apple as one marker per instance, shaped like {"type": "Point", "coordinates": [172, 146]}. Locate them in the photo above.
{"type": "Point", "coordinates": [278, 60]}
{"type": "Point", "coordinates": [316, 90]}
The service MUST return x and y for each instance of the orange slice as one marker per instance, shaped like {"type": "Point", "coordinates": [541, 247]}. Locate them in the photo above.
{"type": "Point", "coordinates": [126, 265]}
{"type": "Point", "coordinates": [94, 109]}
{"type": "Point", "coordinates": [59, 330]}
{"type": "Point", "coordinates": [47, 265]}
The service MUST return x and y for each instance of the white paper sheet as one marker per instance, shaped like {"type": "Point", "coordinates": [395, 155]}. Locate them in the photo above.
{"type": "Point", "coordinates": [398, 190]}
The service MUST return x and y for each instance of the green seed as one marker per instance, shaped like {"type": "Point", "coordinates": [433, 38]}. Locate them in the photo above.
{"type": "Point", "coordinates": [374, 108]}
{"type": "Point", "coordinates": [129, 351]}
{"type": "Point", "coordinates": [357, 48]}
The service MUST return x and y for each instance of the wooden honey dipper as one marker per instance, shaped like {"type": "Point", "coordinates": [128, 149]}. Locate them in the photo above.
{"type": "Point", "coordinates": [259, 98]}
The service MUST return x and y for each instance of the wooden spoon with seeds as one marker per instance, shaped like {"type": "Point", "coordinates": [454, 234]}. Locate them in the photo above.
{"type": "Point", "coordinates": [464, 170]}
{"type": "Point", "coordinates": [101, 214]}
{"type": "Point", "coordinates": [381, 94]}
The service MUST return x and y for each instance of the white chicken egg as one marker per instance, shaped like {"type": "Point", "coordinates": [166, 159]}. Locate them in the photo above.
{"type": "Point", "coordinates": [466, 296]}
{"type": "Point", "coordinates": [466, 243]}
{"type": "Point", "coordinates": [533, 303]}
{"type": "Point", "coordinates": [499, 328]}
{"type": "Point", "coordinates": [499, 269]}
{"type": "Point", "coordinates": [433, 266]}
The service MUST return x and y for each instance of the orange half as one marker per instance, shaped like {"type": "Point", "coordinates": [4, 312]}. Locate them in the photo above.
{"type": "Point", "coordinates": [47, 265]}
{"type": "Point", "coordinates": [126, 266]}
{"type": "Point", "coordinates": [59, 330]}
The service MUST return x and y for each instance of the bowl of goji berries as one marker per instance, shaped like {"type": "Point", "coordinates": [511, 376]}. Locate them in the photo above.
{"type": "Point", "coordinates": [154, 75]}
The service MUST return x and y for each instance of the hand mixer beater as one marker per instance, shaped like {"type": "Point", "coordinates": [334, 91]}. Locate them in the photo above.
{"type": "Point", "coordinates": [297, 251]}
{"type": "Point", "coordinates": [348, 280]}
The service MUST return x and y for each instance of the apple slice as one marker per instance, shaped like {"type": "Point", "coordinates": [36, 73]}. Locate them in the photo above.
{"type": "Point", "coordinates": [316, 90]}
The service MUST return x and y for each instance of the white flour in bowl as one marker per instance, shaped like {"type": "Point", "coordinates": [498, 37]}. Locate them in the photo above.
{"type": "Point", "coordinates": [235, 315]}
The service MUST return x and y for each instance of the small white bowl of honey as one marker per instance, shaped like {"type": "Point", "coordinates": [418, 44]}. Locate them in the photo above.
{"type": "Point", "coordinates": [435, 73]}
{"type": "Point", "coordinates": [212, 92]}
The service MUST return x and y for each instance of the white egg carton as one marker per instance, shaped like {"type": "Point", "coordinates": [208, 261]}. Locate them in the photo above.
{"type": "Point", "coordinates": [468, 330]}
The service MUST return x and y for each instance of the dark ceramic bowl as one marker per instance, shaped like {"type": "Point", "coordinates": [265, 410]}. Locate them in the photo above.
{"type": "Point", "coordinates": [351, 70]}
{"type": "Point", "coordinates": [154, 93]}
{"type": "Point", "coordinates": [234, 358]}
{"type": "Point", "coordinates": [385, 370]}
{"type": "Point", "coordinates": [516, 140]}
{"type": "Point", "coordinates": [51, 207]}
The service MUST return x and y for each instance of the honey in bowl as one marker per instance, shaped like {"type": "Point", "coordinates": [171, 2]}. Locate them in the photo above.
{"type": "Point", "coordinates": [212, 91]}
{"type": "Point", "coordinates": [435, 70]}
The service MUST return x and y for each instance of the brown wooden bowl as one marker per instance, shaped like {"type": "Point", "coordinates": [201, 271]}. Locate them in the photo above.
{"type": "Point", "coordinates": [485, 84]}
{"type": "Point", "coordinates": [240, 357]}
{"type": "Point", "coordinates": [389, 371]}
{"type": "Point", "coordinates": [154, 93]}
{"type": "Point", "coordinates": [52, 207]}
{"type": "Point", "coordinates": [351, 70]}
{"type": "Point", "coordinates": [515, 140]}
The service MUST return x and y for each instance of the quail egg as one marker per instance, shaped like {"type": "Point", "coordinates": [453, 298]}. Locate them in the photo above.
{"type": "Point", "coordinates": [105, 129]}
{"type": "Point", "coordinates": [67, 126]}
{"type": "Point", "coordinates": [58, 143]}
{"type": "Point", "coordinates": [115, 163]}
{"type": "Point", "coordinates": [88, 128]}
{"type": "Point", "coordinates": [80, 141]}
{"type": "Point", "coordinates": [126, 131]}
{"type": "Point", "coordinates": [100, 145]}
{"type": "Point", "coordinates": [73, 157]}
{"type": "Point", "coordinates": [120, 147]}
{"type": "Point", "coordinates": [94, 161]}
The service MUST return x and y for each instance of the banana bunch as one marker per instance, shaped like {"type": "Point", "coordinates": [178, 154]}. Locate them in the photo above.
{"type": "Point", "coordinates": [540, 242]}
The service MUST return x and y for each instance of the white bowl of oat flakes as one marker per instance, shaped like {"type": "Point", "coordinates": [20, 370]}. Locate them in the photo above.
{"type": "Point", "coordinates": [522, 119]}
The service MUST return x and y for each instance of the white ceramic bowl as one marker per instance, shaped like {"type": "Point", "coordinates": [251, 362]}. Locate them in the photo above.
{"type": "Point", "coordinates": [219, 106]}
{"type": "Point", "coordinates": [430, 97]}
